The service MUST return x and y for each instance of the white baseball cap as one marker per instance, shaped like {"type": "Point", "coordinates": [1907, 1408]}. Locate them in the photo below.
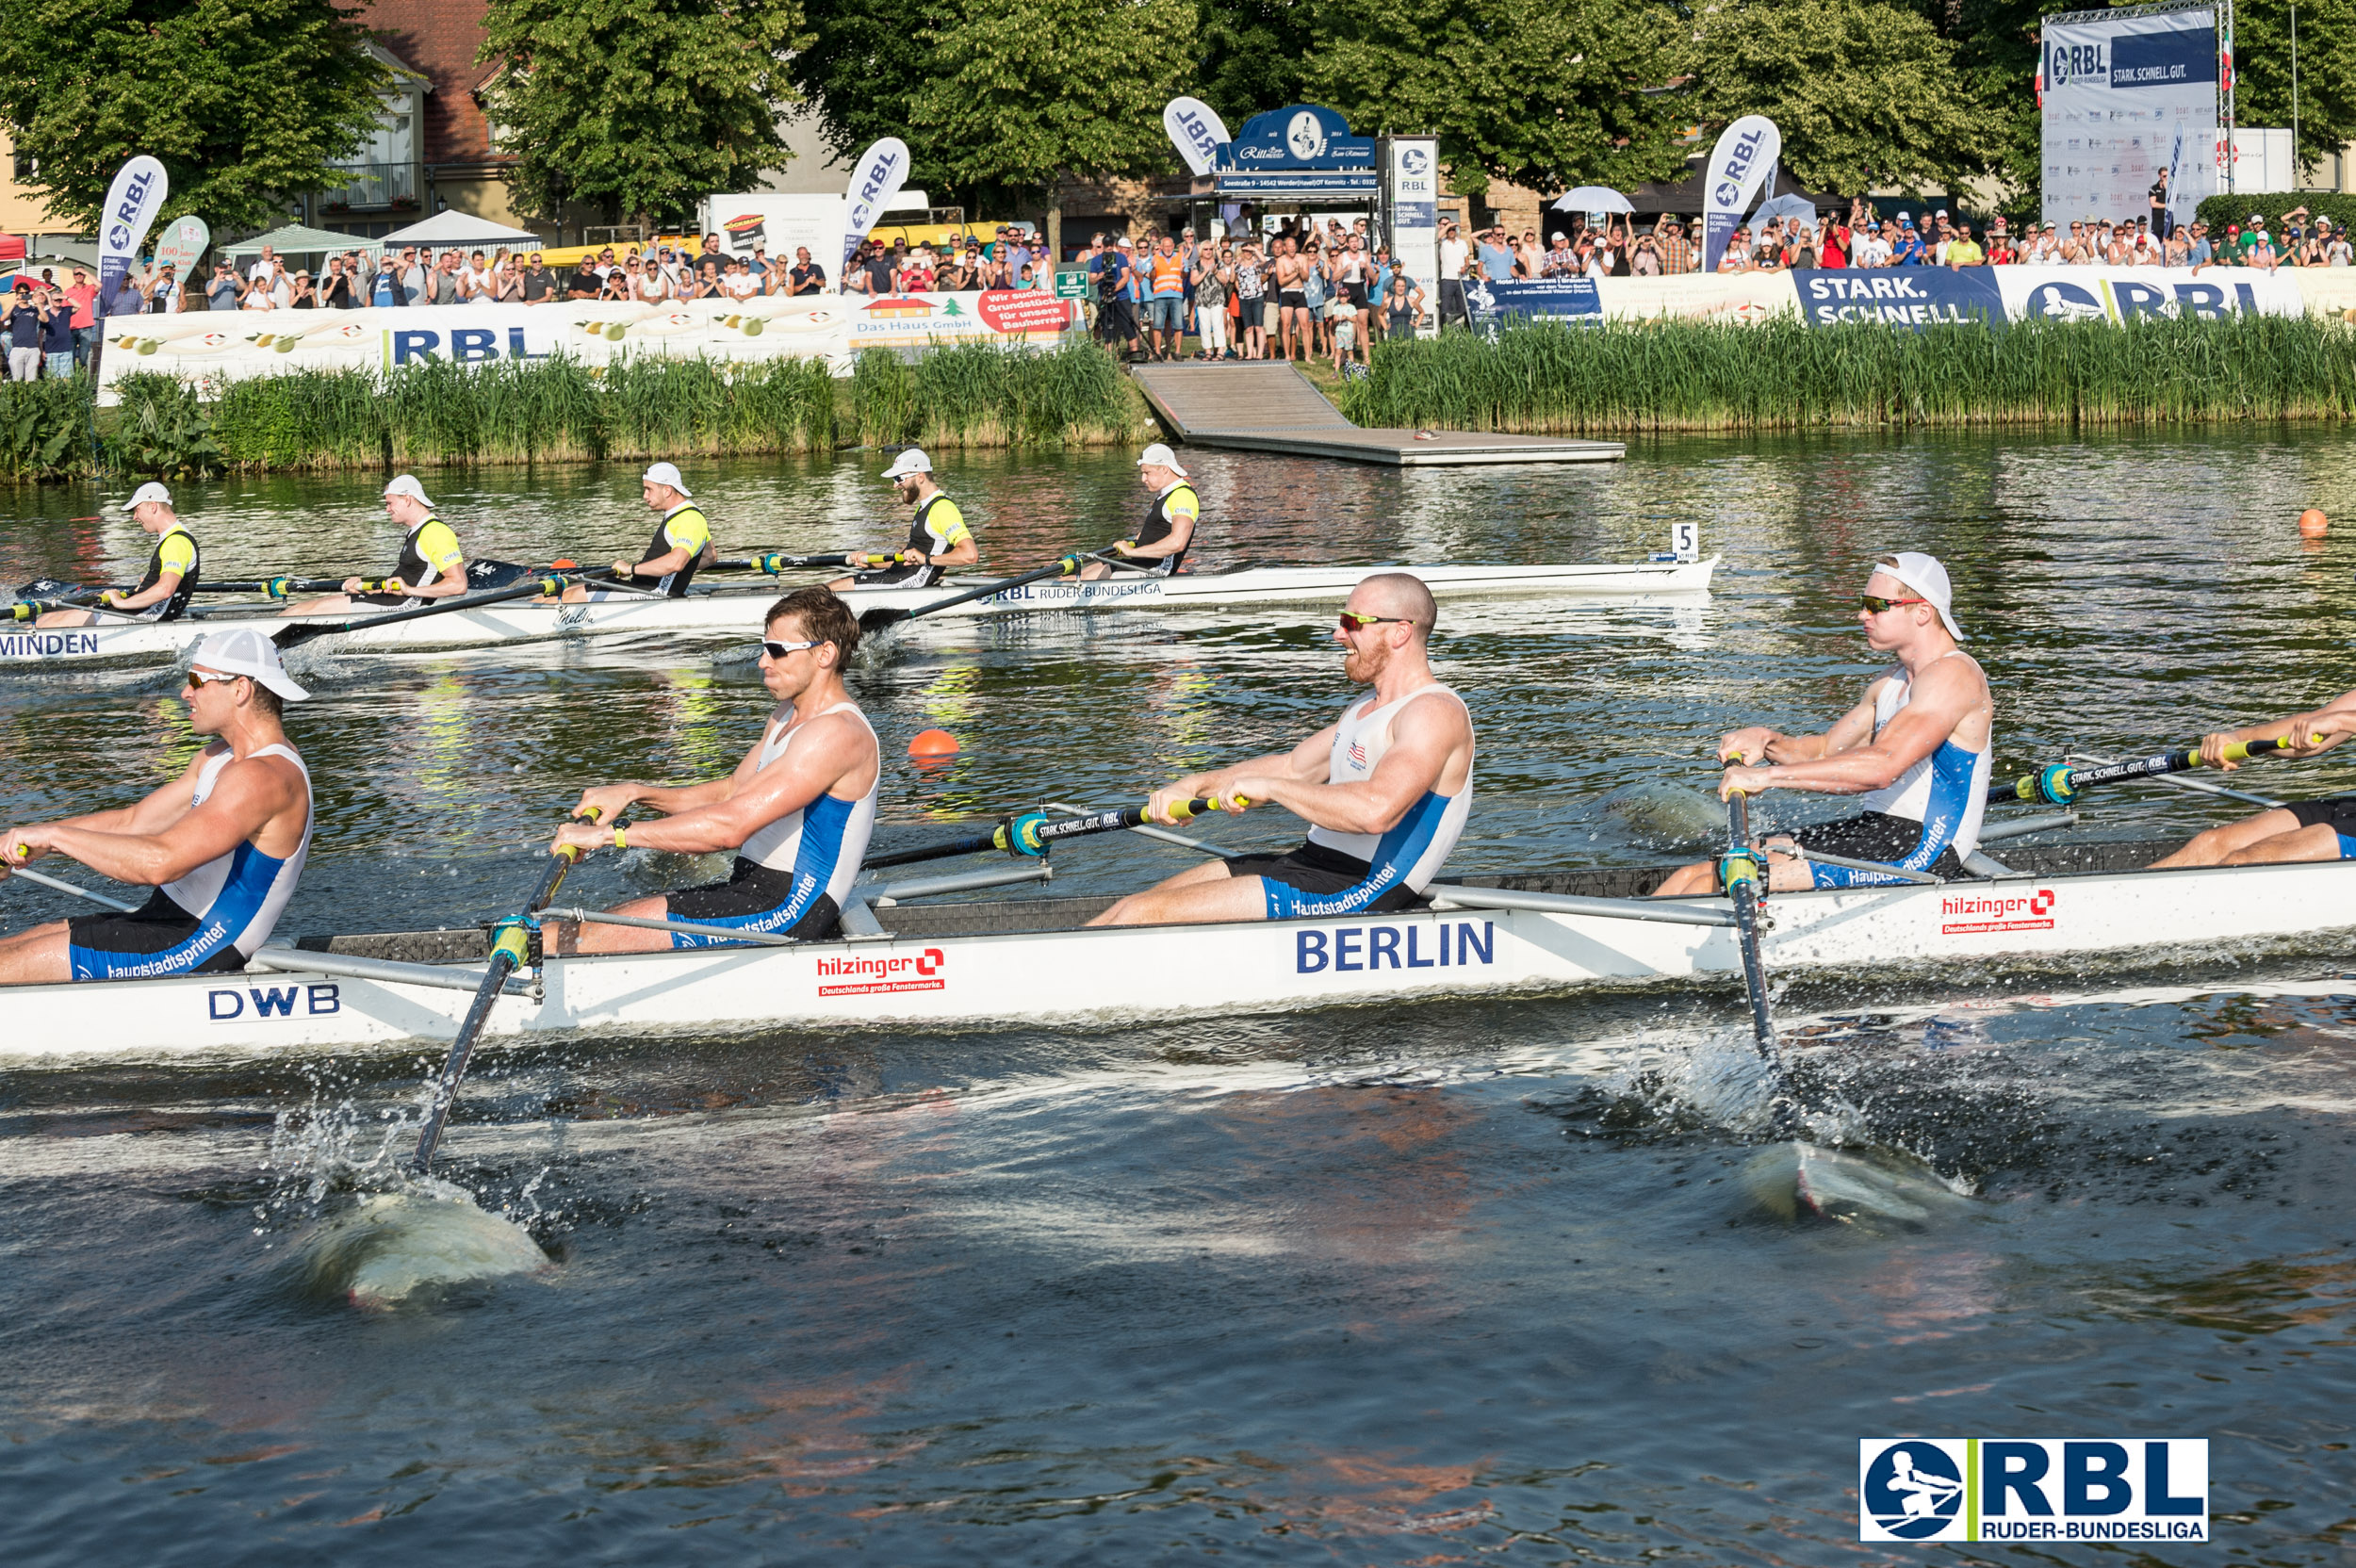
{"type": "Point", "coordinates": [151, 491]}
{"type": "Point", "coordinates": [910, 461]}
{"type": "Point", "coordinates": [246, 652]}
{"type": "Point", "coordinates": [406, 484]}
{"type": "Point", "coordinates": [1159, 455]}
{"type": "Point", "coordinates": [1926, 577]}
{"type": "Point", "coordinates": [667, 473]}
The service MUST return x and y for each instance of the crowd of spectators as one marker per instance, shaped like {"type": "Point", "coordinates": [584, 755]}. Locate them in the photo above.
{"type": "Point", "coordinates": [1300, 293]}
{"type": "Point", "coordinates": [48, 325]}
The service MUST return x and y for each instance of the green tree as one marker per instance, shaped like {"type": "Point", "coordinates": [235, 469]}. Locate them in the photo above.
{"type": "Point", "coordinates": [860, 70]}
{"type": "Point", "coordinates": [2327, 71]}
{"type": "Point", "coordinates": [1865, 94]}
{"type": "Point", "coordinates": [1250, 55]}
{"type": "Point", "coordinates": [1544, 95]}
{"type": "Point", "coordinates": [639, 107]}
{"type": "Point", "coordinates": [1024, 95]}
{"type": "Point", "coordinates": [246, 103]}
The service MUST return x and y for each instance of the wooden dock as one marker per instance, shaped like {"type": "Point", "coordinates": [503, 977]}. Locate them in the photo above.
{"type": "Point", "coordinates": [1263, 406]}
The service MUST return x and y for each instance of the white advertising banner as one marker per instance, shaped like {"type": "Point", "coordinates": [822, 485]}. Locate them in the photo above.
{"type": "Point", "coordinates": [1412, 199]}
{"type": "Point", "coordinates": [1738, 165]}
{"type": "Point", "coordinates": [782, 223]}
{"type": "Point", "coordinates": [231, 345]}
{"type": "Point", "coordinates": [2124, 99]}
{"type": "Point", "coordinates": [883, 168]}
{"type": "Point", "coordinates": [1196, 130]}
{"type": "Point", "coordinates": [139, 189]}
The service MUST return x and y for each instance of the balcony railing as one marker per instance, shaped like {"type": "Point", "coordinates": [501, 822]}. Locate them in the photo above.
{"type": "Point", "coordinates": [372, 187]}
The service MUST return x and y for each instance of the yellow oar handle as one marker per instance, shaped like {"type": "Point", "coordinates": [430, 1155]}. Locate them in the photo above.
{"type": "Point", "coordinates": [1185, 809]}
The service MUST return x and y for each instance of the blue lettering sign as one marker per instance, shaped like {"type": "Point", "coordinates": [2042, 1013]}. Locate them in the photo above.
{"type": "Point", "coordinates": [2094, 1479]}
{"type": "Point", "coordinates": [414, 343]}
{"type": "Point", "coordinates": [1414, 962]}
{"type": "Point", "coordinates": [1346, 939]}
{"type": "Point", "coordinates": [473, 344]}
{"type": "Point", "coordinates": [1486, 941]}
{"type": "Point", "coordinates": [516, 345]}
{"type": "Point", "coordinates": [1298, 137]}
{"type": "Point", "coordinates": [1383, 942]}
{"type": "Point", "coordinates": [213, 1000]}
{"type": "Point", "coordinates": [325, 999]}
{"type": "Point", "coordinates": [1308, 951]}
{"type": "Point", "coordinates": [2013, 1470]}
{"type": "Point", "coordinates": [272, 1002]}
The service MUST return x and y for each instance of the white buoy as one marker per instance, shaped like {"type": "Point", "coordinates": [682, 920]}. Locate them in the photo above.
{"type": "Point", "coordinates": [391, 1245]}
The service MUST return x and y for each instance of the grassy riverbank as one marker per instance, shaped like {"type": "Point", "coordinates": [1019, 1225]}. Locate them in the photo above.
{"type": "Point", "coordinates": [556, 411]}
{"type": "Point", "coordinates": [1695, 376]}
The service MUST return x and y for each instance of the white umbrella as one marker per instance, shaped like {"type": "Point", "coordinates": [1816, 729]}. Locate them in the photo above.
{"type": "Point", "coordinates": [1593, 198]}
{"type": "Point", "coordinates": [1786, 205]}
{"type": "Point", "coordinates": [458, 228]}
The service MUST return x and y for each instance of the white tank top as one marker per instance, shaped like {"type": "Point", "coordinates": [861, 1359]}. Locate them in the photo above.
{"type": "Point", "coordinates": [1947, 791]}
{"type": "Point", "coordinates": [828, 838]}
{"type": "Point", "coordinates": [1418, 843]}
{"type": "Point", "coordinates": [244, 890]}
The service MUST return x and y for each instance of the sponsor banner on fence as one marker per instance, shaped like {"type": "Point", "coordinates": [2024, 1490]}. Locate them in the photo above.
{"type": "Point", "coordinates": [1573, 300]}
{"type": "Point", "coordinates": [1922, 296]}
{"type": "Point", "coordinates": [231, 345]}
{"type": "Point", "coordinates": [1699, 295]}
{"type": "Point", "coordinates": [2124, 97]}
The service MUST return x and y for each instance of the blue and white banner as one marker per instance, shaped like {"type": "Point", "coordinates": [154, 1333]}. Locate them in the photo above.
{"type": "Point", "coordinates": [1197, 131]}
{"type": "Point", "coordinates": [882, 170]}
{"type": "Point", "coordinates": [2139, 1494]}
{"type": "Point", "coordinates": [1738, 165]}
{"type": "Point", "coordinates": [1574, 301]}
{"type": "Point", "coordinates": [131, 203]}
{"type": "Point", "coordinates": [1413, 207]}
{"type": "Point", "coordinates": [2124, 99]}
{"type": "Point", "coordinates": [1926, 296]}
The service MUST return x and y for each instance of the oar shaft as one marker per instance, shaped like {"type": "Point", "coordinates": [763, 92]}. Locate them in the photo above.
{"type": "Point", "coordinates": [1032, 833]}
{"type": "Point", "coordinates": [60, 885]}
{"type": "Point", "coordinates": [2059, 784]}
{"type": "Point", "coordinates": [549, 585]}
{"type": "Point", "coordinates": [1744, 873]}
{"type": "Point", "coordinates": [1064, 567]}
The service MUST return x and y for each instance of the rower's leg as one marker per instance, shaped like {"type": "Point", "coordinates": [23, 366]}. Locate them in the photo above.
{"type": "Point", "coordinates": [1094, 571]}
{"type": "Point", "coordinates": [328, 605]}
{"type": "Point", "coordinates": [573, 937]}
{"type": "Point", "coordinates": [2214, 846]}
{"type": "Point", "coordinates": [1203, 893]}
{"type": "Point", "coordinates": [1698, 880]}
{"type": "Point", "coordinates": [36, 958]}
{"type": "Point", "coordinates": [2319, 842]}
{"type": "Point", "coordinates": [65, 617]}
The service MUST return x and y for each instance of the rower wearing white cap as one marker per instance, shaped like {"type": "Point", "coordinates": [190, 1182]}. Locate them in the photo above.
{"type": "Point", "coordinates": [432, 566]}
{"type": "Point", "coordinates": [1169, 527]}
{"type": "Point", "coordinates": [1919, 748]}
{"type": "Point", "coordinates": [223, 845]}
{"type": "Point", "coordinates": [681, 541]}
{"type": "Point", "coordinates": [937, 537]}
{"type": "Point", "coordinates": [163, 590]}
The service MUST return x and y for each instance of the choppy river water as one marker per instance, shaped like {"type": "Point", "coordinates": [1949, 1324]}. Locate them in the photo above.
{"type": "Point", "coordinates": [1454, 1281]}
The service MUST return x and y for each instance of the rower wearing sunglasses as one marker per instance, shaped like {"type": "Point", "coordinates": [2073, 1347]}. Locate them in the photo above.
{"type": "Point", "coordinates": [937, 537]}
{"type": "Point", "coordinates": [1919, 747]}
{"type": "Point", "coordinates": [797, 811]}
{"type": "Point", "coordinates": [1385, 789]}
{"type": "Point", "coordinates": [222, 845]}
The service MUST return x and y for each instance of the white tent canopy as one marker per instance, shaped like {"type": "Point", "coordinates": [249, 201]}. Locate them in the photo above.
{"type": "Point", "coordinates": [459, 228]}
{"type": "Point", "coordinates": [295, 240]}
{"type": "Point", "coordinates": [1593, 198]}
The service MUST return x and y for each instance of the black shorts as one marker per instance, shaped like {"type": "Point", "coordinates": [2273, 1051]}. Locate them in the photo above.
{"type": "Point", "coordinates": [1292, 299]}
{"type": "Point", "coordinates": [1315, 870]}
{"type": "Point", "coordinates": [752, 893]}
{"type": "Point", "coordinates": [1354, 292]}
{"type": "Point", "coordinates": [156, 939]}
{"type": "Point", "coordinates": [2337, 812]}
{"type": "Point", "coordinates": [1875, 835]}
{"type": "Point", "coordinates": [898, 577]}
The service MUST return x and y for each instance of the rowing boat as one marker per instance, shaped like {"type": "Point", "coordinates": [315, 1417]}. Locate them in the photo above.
{"type": "Point", "coordinates": [729, 612]}
{"type": "Point", "coordinates": [911, 965]}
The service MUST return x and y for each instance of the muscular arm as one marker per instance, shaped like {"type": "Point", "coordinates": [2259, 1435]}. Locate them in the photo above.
{"type": "Point", "coordinates": [1180, 535]}
{"type": "Point", "coordinates": [723, 815]}
{"type": "Point", "coordinates": [1760, 743]}
{"type": "Point", "coordinates": [148, 852]}
{"type": "Point", "coordinates": [2318, 730]}
{"type": "Point", "coordinates": [965, 553]}
{"type": "Point", "coordinates": [664, 564]}
{"type": "Point", "coordinates": [1307, 762]}
{"type": "Point", "coordinates": [1423, 737]}
{"type": "Point", "coordinates": [1944, 694]}
{"type": "Point", "coordinates": [163, 588]}
{"type": "Point", "coordinates": [450, 582]}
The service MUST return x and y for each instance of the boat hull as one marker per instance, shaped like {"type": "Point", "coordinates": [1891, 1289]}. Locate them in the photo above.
{"type": "Point", "coordinates": [732, 614]}
{"type": "Point", "coordinates": [954, 977]}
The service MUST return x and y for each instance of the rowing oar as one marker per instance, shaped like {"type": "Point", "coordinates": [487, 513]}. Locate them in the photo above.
{"type": "Point", "coordinates": [511, 945]}
{"type": "Point", "coordinates": [549, 586]}
{"type": "Point", "coordinates": [64, 886]}
{"type": "Point", "coordinates": [876, 620]}
{"type": "Point", "coordinates": [1741, 871]}
{"type": "Point", "coordinates": [1034, 832]}
{"type": "Point", "coordinates": [2059, 784]}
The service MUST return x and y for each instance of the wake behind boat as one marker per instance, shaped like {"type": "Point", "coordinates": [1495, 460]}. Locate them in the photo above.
{"type": "Point", "coordinates": [715, 614]}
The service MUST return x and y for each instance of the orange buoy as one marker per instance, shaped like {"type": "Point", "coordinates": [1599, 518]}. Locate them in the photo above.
{"type": "Point", "coordinates": [2313, 524]}
{"type": "Point", "coordinates": [933, 743]}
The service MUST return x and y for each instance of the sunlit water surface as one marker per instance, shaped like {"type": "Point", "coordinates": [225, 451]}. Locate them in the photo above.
{"type": "Point", "coordinates": [1449, 1283]}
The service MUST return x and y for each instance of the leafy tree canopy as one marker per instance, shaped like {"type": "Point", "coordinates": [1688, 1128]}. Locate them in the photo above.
{"type": "Point", "coordinates": [246, 103]}
{"type": "Point", "coordinates": [639, 107]}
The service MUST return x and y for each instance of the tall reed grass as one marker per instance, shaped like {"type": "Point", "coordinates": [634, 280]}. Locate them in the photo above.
{"type": "Point", "coordinates": [1786, 375]}
{"type": "Point", "coordinates": [979, 395]}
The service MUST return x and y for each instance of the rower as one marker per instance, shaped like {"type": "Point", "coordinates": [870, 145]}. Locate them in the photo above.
{"type": "Point", "coordinates": [223, 845]}
{"type": "Point", "coordinates": [172, 566]}
{"type": "Point", "coordinates": [1169, 527]}
{"type": "Point", "coordinates": [681, 541]}
{"type": "Point", "coordinates": [432, 565]}
{"type": "Point", "coordinates": [937, 536]}
{"type": "Point", "coordinates": [797, 811]}
{"type": "Point", "coordinates": [1918, 747]}
{"type": "Point", "coordinates": [1385, 789]}
{"type": "Point", "coordinates": [2321, 830]}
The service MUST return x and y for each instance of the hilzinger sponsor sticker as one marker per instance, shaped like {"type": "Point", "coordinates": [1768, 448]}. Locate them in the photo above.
{"type": "Point", "coordinates": [2032, 1489]}
{"type": "Point", "coordinates": [885, 971]}
{"type": "Point", "coordinates": [1964, 914]}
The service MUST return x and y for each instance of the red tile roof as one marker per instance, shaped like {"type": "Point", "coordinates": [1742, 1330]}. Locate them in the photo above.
{"type": "Point", "coordinates": [440, 38]}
